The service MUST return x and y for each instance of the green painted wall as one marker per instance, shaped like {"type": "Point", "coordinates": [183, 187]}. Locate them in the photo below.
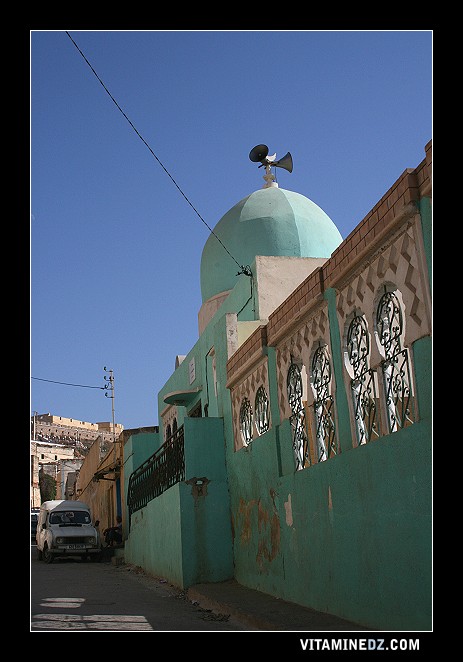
{"type": "Point", "coordinates": [138, 448]}
{"type": "Point", "coordinates": [184, 534]}
{"type": "Point", "coordinates": [206, 524]}
{"type": "Point", "coordinates": [155, 541]}
{"type": "Point", "coordinates": [339, 537]}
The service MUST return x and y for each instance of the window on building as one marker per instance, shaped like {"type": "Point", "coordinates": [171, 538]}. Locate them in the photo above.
{"type": "Point", "coordinates": [246, 421]}
{"type": "Point", "coordinates": [363, 383]}
{"type": "Point", "coordinates": [297, 419]}
{"type": "Point", "coordinates": [261, 407]}
{"type": "Point", "coordinates": [323, 405]}
{"type": "Point", "coordinates": [396, 363]}
{"type": "Point", "coordinates": [168, 432]}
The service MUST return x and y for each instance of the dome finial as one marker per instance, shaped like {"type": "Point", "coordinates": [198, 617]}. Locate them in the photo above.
{"type": "Point", "coordinates": [259, 153]}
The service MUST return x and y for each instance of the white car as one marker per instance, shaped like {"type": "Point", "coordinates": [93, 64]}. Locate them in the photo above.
{"type": "Point", "coordinates": [34, 521]}
{"type": "Point", "coordinates": [65, 529]}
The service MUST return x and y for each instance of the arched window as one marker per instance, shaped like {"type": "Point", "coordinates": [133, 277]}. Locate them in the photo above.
{"type": "Point", "coordinates": [363, 384]}
{"type": "Point", "coordinates": [246, 421]}
{"type": "Point", "coordinates": [396, 364]}
{"type": "Point", "coordinates": [261, 407]}
{"type": "Point", "coordinates": [297, 418]}
{"type": "Point", "coordinates": [323, 405]}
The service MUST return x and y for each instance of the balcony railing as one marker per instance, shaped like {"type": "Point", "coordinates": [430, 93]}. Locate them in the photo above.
{"type": "Point", "coordinates": [165, 468]}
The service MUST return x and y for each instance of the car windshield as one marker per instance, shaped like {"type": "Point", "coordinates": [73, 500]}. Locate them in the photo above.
{"type": "Point", "coordinates": [70, 517]}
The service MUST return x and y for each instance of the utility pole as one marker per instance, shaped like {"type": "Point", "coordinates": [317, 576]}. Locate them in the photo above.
{"type": "Point", "coordinates": [110, 394]}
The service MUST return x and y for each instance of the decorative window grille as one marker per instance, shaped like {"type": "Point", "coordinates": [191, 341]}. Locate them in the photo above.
{"type": "Point", "coordinates": [297, 419]}
{"type": "Point", "coordinates": [323, 405]}
{"type": "Point", "coordinates": [363, 384]}
{"type": "Point", "coordinates": [396, 365]}
{"type": "Point", "coordinates": [261, 407]}
{"type": "Point", "coordinates": [246, 421]}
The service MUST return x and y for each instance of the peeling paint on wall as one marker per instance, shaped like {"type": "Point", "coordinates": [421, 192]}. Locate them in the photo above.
{"type": "Point", "coordinates": [289, 511]}
{"type": "Point", "coordinates": [268, 524]}
{"type": "Point", "coordinates": [268, 528]}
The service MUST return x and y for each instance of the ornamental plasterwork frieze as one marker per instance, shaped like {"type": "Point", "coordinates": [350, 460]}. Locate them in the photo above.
{"type": "Point", "coordinates": [397, 264]}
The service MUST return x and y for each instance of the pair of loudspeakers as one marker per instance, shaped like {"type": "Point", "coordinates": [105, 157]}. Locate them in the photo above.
{"type": "Point", "coordinates": [259, 154]}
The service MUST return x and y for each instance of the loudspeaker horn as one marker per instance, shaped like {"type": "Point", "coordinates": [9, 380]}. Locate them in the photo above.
{"type": "Point", "coordinates": [258, 153]}
{"type": "Point", "coordinates": [285, 162]}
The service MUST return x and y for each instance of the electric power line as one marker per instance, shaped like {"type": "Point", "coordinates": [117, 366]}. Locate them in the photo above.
{"type": "Point", "coordinates": [244, 269]}
{"type": "Point", "coordinates": [103, 388]}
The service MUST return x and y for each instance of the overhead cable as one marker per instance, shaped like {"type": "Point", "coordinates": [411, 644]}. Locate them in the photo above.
{"type": "Point", "coordinates": [66, 384]}
{"type": "Point", "coordinates": [243, 269]}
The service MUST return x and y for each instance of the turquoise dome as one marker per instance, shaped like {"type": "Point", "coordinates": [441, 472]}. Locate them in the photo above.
{"type": "Point", "coordinates": [270, 221]}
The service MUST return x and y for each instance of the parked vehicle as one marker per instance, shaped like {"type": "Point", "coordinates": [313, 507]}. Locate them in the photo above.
{"type": "Point", "coordinates": [34, 521]}
{"type": "Point", "coordinates": [65, 529]}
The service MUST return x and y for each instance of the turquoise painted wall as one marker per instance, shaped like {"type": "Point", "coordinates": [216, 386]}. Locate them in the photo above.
{"type": "Point", "coordinates": [143, 445]}
{"type": "Point", "coordinates": [138, 448]}
{"type": "Point", "coordinates": [184, 535]}
{"type": "Point", "coordinates": [340, 536]}
{"type": "Point", "coordinates": [155, 541]}
{"type": "Point", "coordinates": [206, 525]}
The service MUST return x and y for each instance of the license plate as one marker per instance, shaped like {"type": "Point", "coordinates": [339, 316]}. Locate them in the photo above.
{"type": "Point", "coordinates": [75, 546]}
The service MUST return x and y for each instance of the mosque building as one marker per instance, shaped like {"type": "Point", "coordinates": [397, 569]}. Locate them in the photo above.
{"type": "Point", "coordinates": [293, 452]}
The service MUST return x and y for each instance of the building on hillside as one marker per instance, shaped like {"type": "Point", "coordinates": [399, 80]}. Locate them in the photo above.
{"type": "Point", "coordinates": [58, 447]}
{"type": "Point", "coordinates": [56, 460]}
{"type": "Point", "coordinates": [294, 449]}
{"type": "Point", "coordinates": [71, 432]}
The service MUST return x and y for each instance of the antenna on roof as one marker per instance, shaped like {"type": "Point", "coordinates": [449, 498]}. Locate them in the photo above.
{"type": "Point", "coordinates": [259, 154]}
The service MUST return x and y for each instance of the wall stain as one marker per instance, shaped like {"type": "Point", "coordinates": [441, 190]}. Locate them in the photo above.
{"type": "Point", "coordinates": [268, 528]}
{"type": "Point", "coordinates": [244, 513]}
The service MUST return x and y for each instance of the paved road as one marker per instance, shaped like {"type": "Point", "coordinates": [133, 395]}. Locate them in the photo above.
{"type": "Point", "coordinates": [74, 595]}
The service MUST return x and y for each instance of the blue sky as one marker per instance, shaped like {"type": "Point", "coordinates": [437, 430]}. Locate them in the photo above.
{"type": "Point", "coordinates": [116, 247]}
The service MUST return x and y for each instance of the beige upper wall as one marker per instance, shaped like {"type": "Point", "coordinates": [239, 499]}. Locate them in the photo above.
{"type": "Point", "coordinates": [278, 276]}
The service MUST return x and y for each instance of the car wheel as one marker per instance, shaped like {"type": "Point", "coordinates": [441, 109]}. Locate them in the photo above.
{"type": "Point", "coordinates": [47, 556]}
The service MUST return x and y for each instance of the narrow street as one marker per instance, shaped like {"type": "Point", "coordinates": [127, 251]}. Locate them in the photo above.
{"type": "Point", "coordinates": [73, 595]}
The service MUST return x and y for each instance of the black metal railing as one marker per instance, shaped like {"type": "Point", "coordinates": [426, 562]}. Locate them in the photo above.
{"type": "Point", "coordinates": [165, 468]}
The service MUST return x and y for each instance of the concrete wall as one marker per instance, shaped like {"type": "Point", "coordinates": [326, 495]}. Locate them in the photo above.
{"type": "Point", "coordinates": [184, 535]}
{"type": "Point", "coordinates": [350, 536]}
